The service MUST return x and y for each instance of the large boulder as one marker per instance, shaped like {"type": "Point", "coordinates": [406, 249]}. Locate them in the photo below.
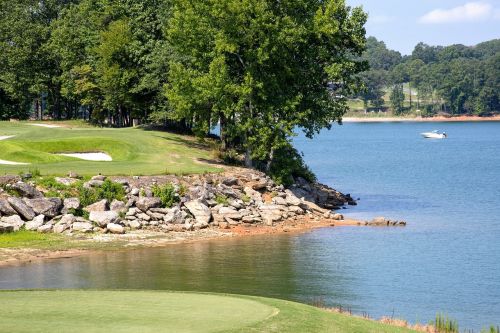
{"type": "Point", "coordinates": [42, 206]}
{"type": "Point", "coordinates": [103, 218]}
{"type": "Point", "coordinates": [174, 216]}
{"type": "Point", "coordinates": [70, 204]}
{"type": "Point", "coordinates": [20, 207]}
{"type": "Point", "coordinates": [115, 228]}
{"type": "Point", "coordinates": [100, 206]}
{"type": "Point", "coordinates": [46, 228]}
{"type": "Point", "coordinates": [6, 208]}
{"type": "Point", "coordinates": [36, 223]}
{"type": "Point", "coordinates": [26, 190]}
{"type": "Point", "coordinates": [82, 227]}
{"type": "Point", "coordinates": [228, 212]}
{"type": "Point", "coordinates": [15, 221]}
{"type": "Point", "coordinates": [118, 206]}
{"type": "Point", "coordinates": [66, 181]}
{"type": "Point", "coordinates": [6, 228]}
{"type": "Point", "coordinates": [200, 212]}
{"type": "Point", "coordinates": [146, 203]}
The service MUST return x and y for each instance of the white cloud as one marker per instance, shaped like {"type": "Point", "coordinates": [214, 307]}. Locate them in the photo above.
{"type": "Point", "coordinates": [470, 12]}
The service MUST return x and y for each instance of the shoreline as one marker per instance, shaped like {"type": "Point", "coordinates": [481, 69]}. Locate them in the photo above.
{"type": "Point", "coordinates": [11, 257]}
{"type": "Point", "coordinates": [420, 119]}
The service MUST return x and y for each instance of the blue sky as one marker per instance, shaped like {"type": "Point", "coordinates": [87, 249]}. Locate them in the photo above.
{"type": "Point", "coordinates": [402, 24]}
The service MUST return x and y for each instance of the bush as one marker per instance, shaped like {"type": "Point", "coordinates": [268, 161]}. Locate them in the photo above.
{"type": "Point", "coordinates": [221, 200]}
{"type": "Point", "coordinates": [109, 191]}
{"type": "Point", "coordinates": [288, 164]}
{"type": "Point", "coordinates": [167, 194]}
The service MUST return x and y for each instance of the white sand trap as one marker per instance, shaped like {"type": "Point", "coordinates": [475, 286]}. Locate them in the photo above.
{"type": "Point", "coordinates": [46, 125]}
{"type": "Point", "coordinates": [5, 137]}
{"type": "Point", "coordinates": [98, 157]}
{"type": "Point", "coordinates": [4, 162]}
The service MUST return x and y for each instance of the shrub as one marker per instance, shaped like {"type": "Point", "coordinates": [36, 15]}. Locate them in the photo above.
{"type": "Point", "coordinates": [109, 190]}
{"type": "Point", "coordinates": [288, 164]}
{"type": "Point", "coordinates": [221, 199]}
{"type": "Point", "coordinates": [444, 324]}
{"type": "Point", "coordinates": [167, 194]}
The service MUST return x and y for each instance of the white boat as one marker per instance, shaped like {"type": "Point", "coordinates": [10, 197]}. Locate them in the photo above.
{"type": "Point", "coordinates": [434, 135]}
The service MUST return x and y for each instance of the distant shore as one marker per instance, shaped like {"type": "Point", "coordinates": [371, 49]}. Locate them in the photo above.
{"type": "Point", "coordinates": [419, 119]}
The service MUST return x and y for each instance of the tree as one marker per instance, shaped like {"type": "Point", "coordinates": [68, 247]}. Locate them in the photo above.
{"type": "Point", "coordinates": [397, 99]}
{"type": "Point", "coordinates": [263, 68]}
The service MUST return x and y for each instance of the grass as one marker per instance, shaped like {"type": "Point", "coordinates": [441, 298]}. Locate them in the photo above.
{"type": "Point", "coordinates": [158, 311]}
{"type": "Point", "coordinates": [134, 151]}
{"type": "Point", "coordinates": [31, 239]}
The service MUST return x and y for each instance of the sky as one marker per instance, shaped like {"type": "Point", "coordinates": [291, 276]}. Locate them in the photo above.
{"type": "Point", "coordinates": [402, 24]}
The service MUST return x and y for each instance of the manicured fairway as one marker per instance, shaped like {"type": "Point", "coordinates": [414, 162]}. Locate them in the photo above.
{"type": "Point", "coordinates": [134, 151]}
{"type": "Point", "coordinates": [157, 311]}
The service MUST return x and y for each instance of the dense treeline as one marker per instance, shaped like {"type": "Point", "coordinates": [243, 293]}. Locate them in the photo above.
{"type": "Point", "coordinates": [455, 79]}
{"type": "Point", "coordinates": [259, 68]}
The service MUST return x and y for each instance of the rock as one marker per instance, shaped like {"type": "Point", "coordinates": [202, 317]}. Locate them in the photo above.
{"type": "Point", "coordinates": [36, 223]}
{"type": "Point", "coordinates": [15, 221]}
{"type": "Point", "coordinates": [24, 210]}
{"type": "Point", "coordinates": [133, 224]}
{"type": "Point", "coordinates": [174, 216]}
{"type": "Point", "coordinates": [132, 211]}
{"type": "Point", "coordinates": [9, 179]}
{"type": "Point", "coordinates": [258, 186]}
{"type": "Point", "coordinates": [230, 181]}
{"type": "Point", "coordinates": [188, 226]}
{"type": "Point", "coordinates": [280, 201]}
{"type": "Point", "coordinates": [46, 228]}
{"type": "Point", "coordinates": [6, 208]}
{"type": "Point", "coordinates": [252, 194]}
{"type": "Point", "coordinates": [68, 219]}
{"type": "Point", "coordinates": [93, 183]}
{"type": "Point", "coordinates": [230, 213]}
{"type": "Point", "coordinates": [337, 217]}
{"type": "Point", "coordinates": [72, 174]}
{"type": "Point", "coordinates": [60, 227]}
{"type": "Point", "coordinates": [155, 216]}
{"type": "Point", "coordinates": [70, 204]}
{"type": "Point", "coordinates": [380, 221]}
{"type": "Point", "coordinates": [100, 178]}
{"type": "Point", "coordinates": [82, 227]}
{"type": "Point", "coordinates": [224, 225]}
{"type": "Point", "coordinates": [115, 228]}
{"type": "Point", "coordinates": [144, 217]}
{"type": "Point", "coordinates": [201, 212]}
{"type": "Point", "coordinates": [291, 199]}
{"type": "Point", "coordinates": [199, 225]}
{"type": "Point", "coordinates": [146, 203]}
{"type": "Point", "coordinates": [135, 192]}
{"type": "Point", "coordinates": [117, 205]}
{"type": "Point", "coordinates": [66, 181]}
{"type": "Point", "coordinates": [49, 207]}
{"type": "Point", "coordinates": [103, 218]}
{"type": "Point", "coordinates": [296, 210]}
{"type": "Point", "coordinates": [26, 190]}
{"type": "Point", "coordinates": [6, 228]}
{"type": "Point", "coordinates": [160, 210]}
{"type": "Point", "coordinates": [100, 206]}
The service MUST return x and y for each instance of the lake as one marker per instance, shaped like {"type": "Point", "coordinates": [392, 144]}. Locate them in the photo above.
{"type": "Point", "coordinates": [446, 260]}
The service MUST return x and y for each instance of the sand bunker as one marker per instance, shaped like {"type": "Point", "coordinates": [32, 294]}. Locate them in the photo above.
{"type": "Point", "coordinates": [5, 137]}
{"type": "Point", "coordinates": [46, 125]}
{"type": "Point", "coordinates": [99, 157]}
{"type": "Point", "coordinates": [4, 162]}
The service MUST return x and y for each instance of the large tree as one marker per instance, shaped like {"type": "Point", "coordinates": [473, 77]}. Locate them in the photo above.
{"type": "Point", "coordinates": [263, 68]}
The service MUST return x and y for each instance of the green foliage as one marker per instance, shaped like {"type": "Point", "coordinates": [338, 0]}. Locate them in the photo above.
{"type": "Point", "coordinates": [492, 329]}
{"type": "Point", "coordinates": [221, 200]}
{"type": "Point", "coordinates": [167, 194]}
{"type": "Point", "coordinates": [444, 324]}
{"type": "Point", "coordinates": [245, 198]}
{"type": "Point", "coordinates": [397, 99]}
{"type": "Point", "coordinates": [288, 165]}
{"type": "Point", "coordinates": [109, 190]}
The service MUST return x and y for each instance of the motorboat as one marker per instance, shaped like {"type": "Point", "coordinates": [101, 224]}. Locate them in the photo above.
{"type": "Point", "coordinates": [434, 135]}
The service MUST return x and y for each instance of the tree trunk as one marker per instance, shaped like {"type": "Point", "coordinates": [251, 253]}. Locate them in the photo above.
{"type": "Point", "coordinates": [270, 161]}
{"type": "Point", "coordinates": [222, 124]}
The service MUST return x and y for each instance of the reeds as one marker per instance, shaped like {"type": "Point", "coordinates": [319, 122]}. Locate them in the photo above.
{"type": "Point", "coordinates": [444, 324]}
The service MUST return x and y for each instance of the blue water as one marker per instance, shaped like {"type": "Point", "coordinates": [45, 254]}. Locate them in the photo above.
{"type": "Point", "coordinates": [448, 258]}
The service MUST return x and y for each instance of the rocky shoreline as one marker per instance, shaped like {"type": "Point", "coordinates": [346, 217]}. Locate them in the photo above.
{"type": "Point", "coordinates": [236, 202]}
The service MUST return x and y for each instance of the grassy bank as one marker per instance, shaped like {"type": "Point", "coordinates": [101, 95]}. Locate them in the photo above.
{"type": "Point", "coordinates": [134, 151]}
{"type": "Point", "coordinates": [157, 311]}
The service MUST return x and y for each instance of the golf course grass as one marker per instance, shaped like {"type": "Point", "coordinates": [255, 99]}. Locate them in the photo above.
{"type": "Point", "coordinates": [158, 311]}
{"type": "Point", "coordinates": [134, 151]}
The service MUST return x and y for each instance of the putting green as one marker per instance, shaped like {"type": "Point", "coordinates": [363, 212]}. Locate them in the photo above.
{"type": "Point", "coordinates": [126, 311]}
{"type": "Point", "coordinates": [134, 151]}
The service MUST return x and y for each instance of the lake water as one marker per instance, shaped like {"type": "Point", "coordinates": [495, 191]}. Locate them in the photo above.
{"type": "Point", "coordinates": [446, 260]}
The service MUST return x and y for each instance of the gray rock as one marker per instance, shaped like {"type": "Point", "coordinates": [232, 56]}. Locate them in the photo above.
{"type": "Point", "coordinates": [26, 190]}
{"type": "Point", "coordinates": [24, 210]}
{"type": "Point", "coordinates": [117, 205]}
{"type": "Point", "coordinates": [144, 217]}
{"type": "Point", "coordinates": [6, 208]}
{"type": "Point", "coordinates": [66, 181]}
{"type": "Point", "coordinates": [100, 206]}
{"type": "Point", "coordinates": [9, 179]}
{"type": "Point", "coordinates": [93, 183]}
{"type": "Point", "coordinates": [291, 199]}
{"type": "Point", "coordinates": [279, 201]}
{"type": "Point", "coordinates": [82, 227]}
{"type": "Point", "coordinates": [135, 191]}
{"type": "Point", "coordinates": [230, 181]}
{"type": "Point", "coordinates": [188, 226]}
{"type": "Point", "coordinates": [133, 224]}
{"type": "Point", "coordinates": [200, 212]}
{"type": "Point", "coordinates": [160, 210]}
{"type": "Point", "coordinates": [68, 219]}
{"type": "Point", "coordinates": [224, 225]}
{"type": "Point", "coordinates": [115, 228]}
{"type": "Point", "coordinates": [46, 228]}
{"type": "Point", "coordinates": [72, 174]}
{"type": "Point", "coordinates": [103, 218]}
{"type": "Point", "coordinates": [70, 204]}
{"type": "Point", "coordinates": [36, 223]}
{"type": "Point", "coordinates": [155, 216]}
{"type": "Point", "coordinates": [230, 213]}
{"type": "Point", "coordinates": [253, 194]}
{"type": "Point", "coordinates": [337, 217]}
{"type": "Point", "coordinates": [60, 227]}
{"type": "Point", "coordinates": [174, 216]}
{"type": "Point", "coordinates": [48, 207]}
{"type": "Point", "coordinates": [296, 210]}
{"type": "Point", "coordinates": [6, 228]}
{"type": "Point", "coordinates": [100, 178]}
{"type": "Point", "coordinates": [15, 221]}
{"type": "Point", "coordinates": [132, 211]}
{"type": "Point", "coordinates": [146, 203]}
{"type": "Point", "coordinates": [199, 225]}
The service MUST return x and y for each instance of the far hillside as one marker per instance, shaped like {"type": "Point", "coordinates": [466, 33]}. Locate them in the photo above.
{"type": "Point", "coordinates": [454, 80]}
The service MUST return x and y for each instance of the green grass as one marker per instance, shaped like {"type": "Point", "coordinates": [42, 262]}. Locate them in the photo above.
{"type": "Point", "coordinates": [31, 239]}
{"type": "Point", "coordinates": [134, 151]}
{"type": "Point", "coordinates": [158, 311]}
